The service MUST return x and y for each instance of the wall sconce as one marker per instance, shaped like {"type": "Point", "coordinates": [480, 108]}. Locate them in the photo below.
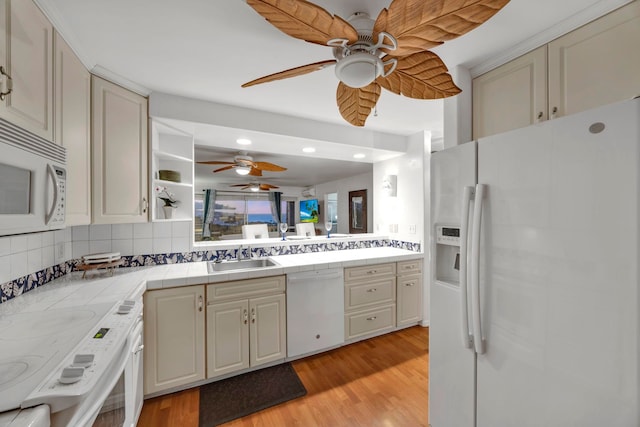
{"type": "Point", "coordinates": [390, 185]}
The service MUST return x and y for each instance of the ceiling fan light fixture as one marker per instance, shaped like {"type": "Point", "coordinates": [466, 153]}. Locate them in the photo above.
{"type": "Point", "coordinates": [255, 187]}
{"type": "Point", "coordinates": [243, 170]}
{"type": "Point", "coordinates": [243, 141]}
{"type": "Point", "coordinates": [359, 69]}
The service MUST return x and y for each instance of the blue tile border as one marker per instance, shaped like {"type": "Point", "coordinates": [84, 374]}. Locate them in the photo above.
{"type": "Point", "coordinates": [17, 287]}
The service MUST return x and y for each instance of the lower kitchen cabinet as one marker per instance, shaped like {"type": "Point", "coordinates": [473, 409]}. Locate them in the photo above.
{"type": "Point", "coordinates": [369, 300]}
{"type": "Point", "coordinates": [409, 293]}
{"type": "Point", "coordinates": [174, 334]}
{"type": "Point", "coordinates": [246, 324]}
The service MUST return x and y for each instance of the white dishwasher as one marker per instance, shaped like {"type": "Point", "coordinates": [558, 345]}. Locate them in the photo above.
{"type": "Point", "coordinates": [315, 311]}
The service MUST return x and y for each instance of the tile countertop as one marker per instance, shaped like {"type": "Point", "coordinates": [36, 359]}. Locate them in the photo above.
{"type": "Point", "coordinates": [174, 275]}
{"type": "Point", "coordinates": [100, 287]}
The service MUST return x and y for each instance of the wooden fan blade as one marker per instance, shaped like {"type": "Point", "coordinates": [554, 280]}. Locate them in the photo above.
{"type": "Point", "coordinates": [355, 104]}
{"type": "Point", "coordinates": [304, 20]}
{"type": "Point", "coordinates": [418, 25]}
{"type": "Point", "coordinates": [255, 172]}
{"type": "Point", "coordinates": [266, 166]}
{"type": "Point", "coordinates": [214, 162]}
{"type": "Point", "coordinates": [266, 187]}
{"type": "Point", "coordinates": [238, 185]}
{"type": "Point", "coordinates": [422, 75]}
{"type": "Point", "coordinates": [224, 168]}
{"type": "Point", "coordinates": [292, 72]}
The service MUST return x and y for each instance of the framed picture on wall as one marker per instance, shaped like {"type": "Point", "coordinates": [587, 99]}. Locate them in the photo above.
{"type": "Point", "coordinates": [357, 211]}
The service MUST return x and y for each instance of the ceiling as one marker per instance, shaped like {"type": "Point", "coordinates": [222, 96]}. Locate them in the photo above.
{"type": "Point", "coordinates": [205, 50]}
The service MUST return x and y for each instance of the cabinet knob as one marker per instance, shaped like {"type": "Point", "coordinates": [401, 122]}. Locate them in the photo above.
{"type": "Point", "coordinates": [540, 116]}
{"type": "Point", "coordinates": [8, 84]}
{"type": "Point", "coordinates": [554, 112]}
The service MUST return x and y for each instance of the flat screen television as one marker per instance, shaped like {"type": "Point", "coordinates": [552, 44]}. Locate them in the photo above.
{"type": "Point", "coordinates": [309, 210]}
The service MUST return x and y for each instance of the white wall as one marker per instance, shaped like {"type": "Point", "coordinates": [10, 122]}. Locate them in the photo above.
{"type": "Point", "coordinates": [342, 187]}
{"type": "Point", "coordinates": [402, 217]}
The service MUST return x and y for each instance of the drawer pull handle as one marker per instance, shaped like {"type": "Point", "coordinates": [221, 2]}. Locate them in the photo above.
{"type": "Point", "coordinates": [372, 318]}
{"type": "Point", "coordinates": [409, 284]}
{"type": "Point", "coordinates": [372, 271]}
{"type": "Point", "coordinates": [200, 303]}
{"type": "Point", "coordinates": [371, 290]}
{"type": "Point", "coordinates": [246, 317]}
{"type": "Point", "coordinates": [253, 315]}
{"type": "Point", "coordinates": [8, 85]}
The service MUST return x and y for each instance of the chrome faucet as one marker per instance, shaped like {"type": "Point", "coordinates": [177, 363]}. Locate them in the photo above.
{"type": "Point", "coordinates": [240, 255]}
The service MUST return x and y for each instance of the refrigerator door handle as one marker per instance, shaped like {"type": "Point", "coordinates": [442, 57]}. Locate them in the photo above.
{"type": "Point", "coordinates": [475, 269]}
{"type": "Point", "coordinates": [467, 194]}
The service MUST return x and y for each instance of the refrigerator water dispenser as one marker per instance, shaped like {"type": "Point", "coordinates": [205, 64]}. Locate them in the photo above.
{"type": "Point", "coordinates": [448, 254]}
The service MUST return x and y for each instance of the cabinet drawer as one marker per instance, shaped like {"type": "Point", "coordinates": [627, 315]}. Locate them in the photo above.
{"type": "Point", "coordinates": [359, 295]}
{"type": "Point", "coordinates": [369, 321]}
{"type": "Point", "coordinates": [409, 267]}
{"type": "Point", "coordinates": [368, 271]}
{"type": "Point", "coordinates": [245, 288]}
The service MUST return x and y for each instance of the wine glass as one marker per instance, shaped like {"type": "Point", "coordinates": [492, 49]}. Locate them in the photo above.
{"type": "Point", "coordinates": [327, 226]}
{"type": "Point", "coordinates": [283, 228]}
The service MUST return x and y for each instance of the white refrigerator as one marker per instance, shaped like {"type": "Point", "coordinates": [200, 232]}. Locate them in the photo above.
{"type": "Point", "coordinates": [535, 276]}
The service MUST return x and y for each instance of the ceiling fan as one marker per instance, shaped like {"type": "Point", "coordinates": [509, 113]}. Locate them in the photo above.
{"type": "Point", "coordinates": [243, 164]}
{"type": "Point", "coordinates": [255, 186]}
{"type": "Point", "coordinates": [390, 52]}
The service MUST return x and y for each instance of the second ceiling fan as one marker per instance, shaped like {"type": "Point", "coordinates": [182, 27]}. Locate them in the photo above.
{"type": "Point", "coordinates": [390, 52]}
{"type": "Point", "coordinates": [243, 164]}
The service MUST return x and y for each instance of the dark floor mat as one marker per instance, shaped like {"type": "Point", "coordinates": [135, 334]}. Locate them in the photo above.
{"type": "Point", "coordinates": [245, 394]}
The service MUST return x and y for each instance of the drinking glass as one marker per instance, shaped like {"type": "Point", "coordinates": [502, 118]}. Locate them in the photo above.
{"type": "Point", "coordinates": [327, 226]}
{"type": "Point", "coordinates": [283, 228]}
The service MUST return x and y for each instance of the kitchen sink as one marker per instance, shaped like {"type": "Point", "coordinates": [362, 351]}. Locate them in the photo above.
{"type": "Point", "coordinates": [245, 264]}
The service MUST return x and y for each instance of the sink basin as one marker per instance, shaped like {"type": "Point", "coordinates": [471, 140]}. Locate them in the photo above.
{"type": "Point", "coordinates": [244, 264]}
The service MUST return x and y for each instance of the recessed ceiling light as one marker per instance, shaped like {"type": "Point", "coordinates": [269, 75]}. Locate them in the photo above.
{"type": "Point", "coordinates": [308, 150]}
{"type": "Point", "coordinates": [359, 156]}
{"type": "Point", "coordinates": [243, 141]}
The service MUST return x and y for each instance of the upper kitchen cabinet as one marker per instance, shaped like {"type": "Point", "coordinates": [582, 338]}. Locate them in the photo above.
{"type": "Point", "coordinates": [119, 154]}
{"type": "Point", "coordinates": [511, 96]}
{"type": "Point", "coordinates": [26, 56]}
{"type": "Point", "coordinates": [73, 129]}
{"type": "Point", "coordinates": [171, 170]}
{"type": "Point", "coordinates": [594, 65]}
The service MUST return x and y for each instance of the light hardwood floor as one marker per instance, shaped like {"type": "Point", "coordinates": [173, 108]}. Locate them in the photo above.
{"type": "Point", "coordinates": [382, 382]}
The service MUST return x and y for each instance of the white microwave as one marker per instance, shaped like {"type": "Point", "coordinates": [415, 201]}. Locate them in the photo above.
{"type": "Point", "coordinates": [32, 182]}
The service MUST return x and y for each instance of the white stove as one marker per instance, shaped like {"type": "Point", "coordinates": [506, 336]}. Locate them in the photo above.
{"type": "Point", "coordinates": [69, 362]}
{"type": "Point", "coordinates": [34, 344]}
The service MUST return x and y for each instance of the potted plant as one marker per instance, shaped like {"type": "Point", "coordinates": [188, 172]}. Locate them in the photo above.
{"type": "Point", "coordinates": [169, 200]}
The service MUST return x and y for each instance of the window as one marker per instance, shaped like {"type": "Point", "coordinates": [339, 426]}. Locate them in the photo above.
{"type": "Point", "coordinates": [232, 211]}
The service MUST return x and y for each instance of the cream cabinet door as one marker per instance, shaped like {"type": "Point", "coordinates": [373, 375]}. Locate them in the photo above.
{"type": "Point", "coordinates": [227, 337]}
{"type": "Point", "coordinates": [596, 64]}
{"type": "Point", "coordinates": [174, 334]}
{"type": "Point", "coordinates": [409, 300]}
{"type": "Point", "coordinates": [268, 340]}
{"type": "Point", "coordinates": [26, 54]}
{"type": "Point", "coordinates": [73, 129]}
{"type": "Point", "coordinates": [119, 154]}
{"type": "Point", "coordinates": [511, 96]}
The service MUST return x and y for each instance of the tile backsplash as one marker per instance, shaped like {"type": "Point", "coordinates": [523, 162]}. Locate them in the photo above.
{"type": "Point", "coordinates": [31, 260]}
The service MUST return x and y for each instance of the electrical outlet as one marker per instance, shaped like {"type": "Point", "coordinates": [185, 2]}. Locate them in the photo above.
{"type": "Point", "coordinates": [412, 228]}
